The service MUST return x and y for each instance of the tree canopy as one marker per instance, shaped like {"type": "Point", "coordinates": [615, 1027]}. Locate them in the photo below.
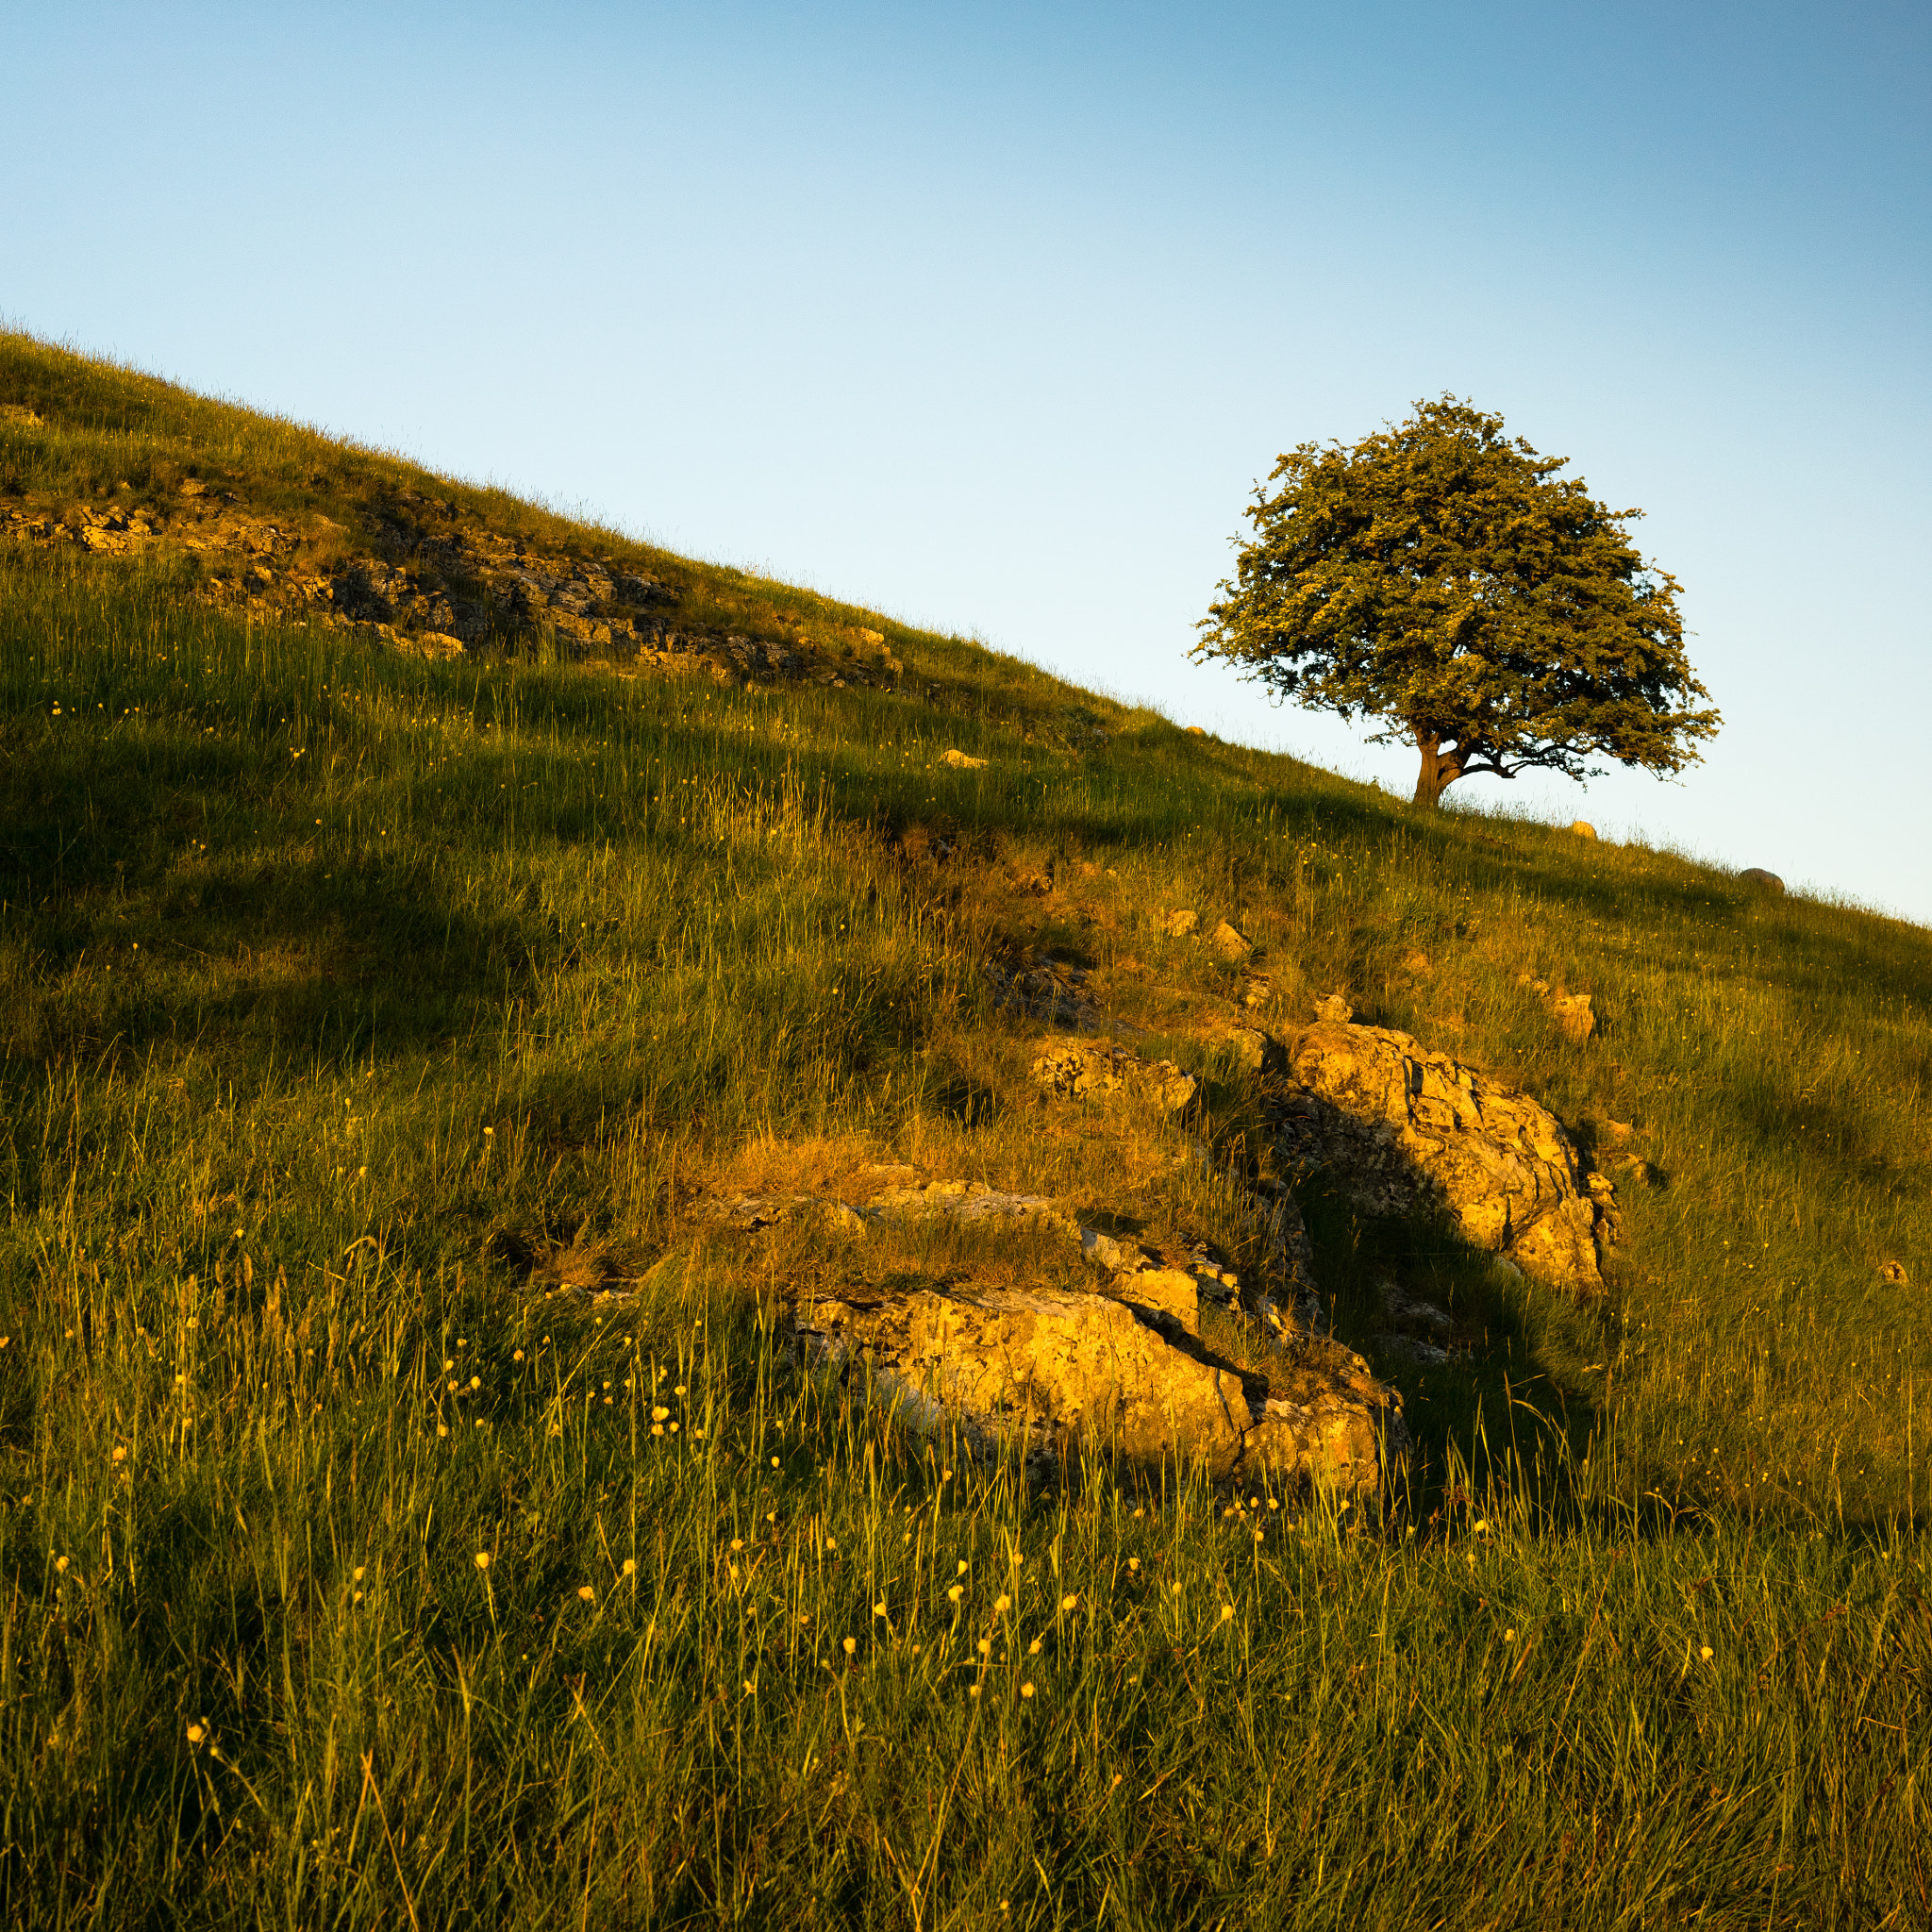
{"type": "Point", "coordinates": [1443, 578]}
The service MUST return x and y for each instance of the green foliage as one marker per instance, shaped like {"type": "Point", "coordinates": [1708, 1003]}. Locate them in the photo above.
{"type": "Point", "coordinates": [1446, 579]}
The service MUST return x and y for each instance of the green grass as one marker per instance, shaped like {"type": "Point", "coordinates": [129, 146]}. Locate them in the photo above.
{"type": "Point", "coordinates": [335, 985]}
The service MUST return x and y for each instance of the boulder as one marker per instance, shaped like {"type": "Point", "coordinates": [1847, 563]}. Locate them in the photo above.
{"type": "Point", "coordinates": [1583, 828]}
{"type": "Point", "coordinates": [1180, 923]}
{"type": "Point", "coordinates": [1050, 1375]}
{"type": "Point", "coordinates": [1229, 943]}
{"type": "Point", "coordinates": [1757, 876]}
{"type": "Point", "coordinates": [1089, 1071]}
{"type": "Point", "coordinates": [1407, 1131]}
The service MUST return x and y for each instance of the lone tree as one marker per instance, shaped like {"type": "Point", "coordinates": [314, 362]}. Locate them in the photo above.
{"type": "Point", "coordinates": [1443, 578]}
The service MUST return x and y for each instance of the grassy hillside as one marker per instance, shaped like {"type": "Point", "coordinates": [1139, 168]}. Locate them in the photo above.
{"type": "Point", "coordinates": [358, 1000]}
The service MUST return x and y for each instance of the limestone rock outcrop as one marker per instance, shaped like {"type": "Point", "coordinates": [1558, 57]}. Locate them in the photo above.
{"type": "Point", "coordinates": [1408, 1131]}
{"type": "Point", "coordinates": [1092, 1070]}
{"type": "Point", "coordinates": [1049, 1375]}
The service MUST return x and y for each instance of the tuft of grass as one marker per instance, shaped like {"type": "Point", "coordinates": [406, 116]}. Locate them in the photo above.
{"type": "Point", "coordinates": [357, 1012]}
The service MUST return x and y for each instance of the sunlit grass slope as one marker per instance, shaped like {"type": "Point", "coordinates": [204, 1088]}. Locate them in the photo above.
{"type": "Point", "coordinates": [337, 988]}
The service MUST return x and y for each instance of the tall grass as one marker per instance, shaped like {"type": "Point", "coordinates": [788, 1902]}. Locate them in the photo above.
{"type": "Point", "coordinates": [337, 986]}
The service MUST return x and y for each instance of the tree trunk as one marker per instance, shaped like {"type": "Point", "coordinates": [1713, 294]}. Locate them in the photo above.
{"type": "Point", "coordinates": [1439, 770]}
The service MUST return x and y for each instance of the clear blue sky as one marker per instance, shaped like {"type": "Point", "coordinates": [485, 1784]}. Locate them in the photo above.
{"type": "Point", "coordinates": [991, 315]}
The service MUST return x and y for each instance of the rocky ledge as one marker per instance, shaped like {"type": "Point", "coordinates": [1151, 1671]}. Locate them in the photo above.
{"type": "Point", "coordinates": [1405, 1131]}
{"type": "Point", "coordinates": [1052, 1375]}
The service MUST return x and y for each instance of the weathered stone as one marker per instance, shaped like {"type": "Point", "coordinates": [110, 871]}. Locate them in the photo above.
{"type": "Point", "coordinates": [1408, 1131]}
{"type": "Point", "coordinates": [1411, 1312]}
{"type": "Point", "coordinates": [1411, 1348]}
{"type": "Point", "coordinates": [938, 1200]}
{"type": "Point", "coordinates": [1047, 1374]}
{"type": "Point", "coordinates": [1253, 1048]}
{"type": "Point", "coordinates": [1583, 828]}
{"type": "Point", "coordinates": [1088, 1071]}
{"type": "Point", "coordinates": [1117, 1255]}
{"type": "Point", "coordinates": [1334, 1008]}
{"type": "Point", "coordinates": [1757, 876]}
{"type": "Point", "coordinates": [1894, 1273]}
{"type": "Point", "coordinates": [1229, 943]}
{"type": "Point", "coordinates": [964, 761]}
{"type": "Point", "coordinates": [963, 1201]}
{"type": "Point", "coordinates": [1171, 1295]}
{"type": "Point", "coordinates": [1180, 923]}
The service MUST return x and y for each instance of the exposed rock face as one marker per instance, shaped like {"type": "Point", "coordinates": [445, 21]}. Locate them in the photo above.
{"type": "Point", "coordinates": [1408, 1131]}
{"type": "Point", "coordinates": [1048, 1374]}
{"type": "Point", "coordinates": [1083, 1071]}
{"type": "Point", "coordinates": [937, 1200]}
{"type": "Point", "coordinates": [427, 576]}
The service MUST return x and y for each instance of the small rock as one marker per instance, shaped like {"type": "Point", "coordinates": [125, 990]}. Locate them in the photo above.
{"type": "Point", "coordinates": [1179, 924]}
{"type": "Point", "coordinates": [1416, 964]}
{"type": "Point", "coordinates": [1411, 1348]}
{"type": "Point", "coordinates": [1617, 1132]}
{"type": "Point", "coordinates": [1757, 876]}
{"type": "Point", "coordinates": [1195, 731]}
{"type": "Point", "coordinates": [1258, 1051]}
{"type": "Point", "coordinates": [1088, 1071]}
{"type": "Point", "coordinates": [1895, 1271]}
{"type": "Point", "coordinates": [1409, 1311]}
{"type": "Point", "coordinates": [1228, 942]}
{"type": "Point", "coordinates": [962, 762]}
{"type": "Point", "coordinates": [1574, 1015]}
{"type": "Point", "coordinates": [1583, 828]}
{"type": "Point", "coordinates": [1256, 990]}
{"type": "Point", "coordinates": [1336, 1008]}
{"type": "Point", "coordinates": [1116, 1256]}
